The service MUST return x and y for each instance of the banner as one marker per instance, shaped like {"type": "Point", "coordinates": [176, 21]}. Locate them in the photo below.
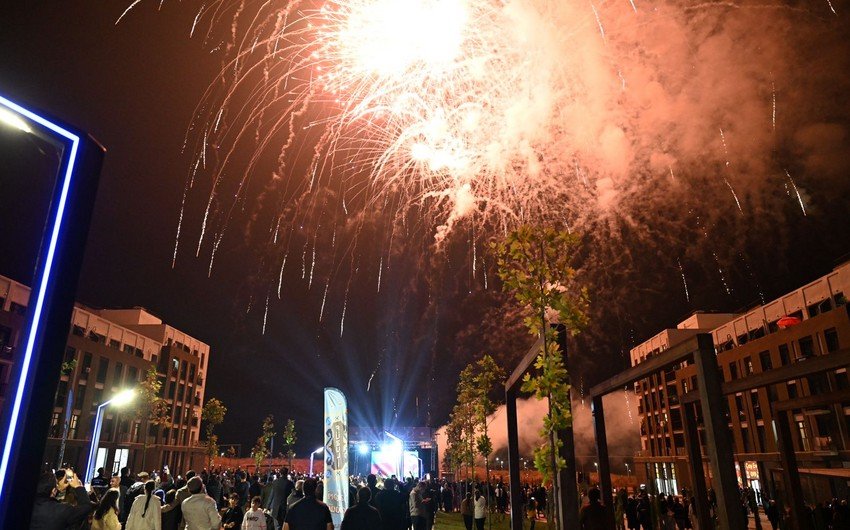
{"type": "Point", "coordinates": [336, 454]}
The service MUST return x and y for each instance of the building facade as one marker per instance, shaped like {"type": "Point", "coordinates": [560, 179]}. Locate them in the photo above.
{"type": "Point", "coordinates": [108, 351]}
{"type": "Point", "coordinates": [808, 322]}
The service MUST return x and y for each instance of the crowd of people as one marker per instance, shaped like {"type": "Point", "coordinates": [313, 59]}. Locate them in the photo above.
{"type": "Point", "coordinates": [224, 499]}
{"type": "Point", "coordinates": [236, 499]}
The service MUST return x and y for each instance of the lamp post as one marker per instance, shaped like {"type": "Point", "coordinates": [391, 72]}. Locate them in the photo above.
{"type": "Point", "coordinates": [313, 454]}
{"type": "Point", "coordinates": [628, 470]}
{"type": "Point", "coordinates": [121, 398]}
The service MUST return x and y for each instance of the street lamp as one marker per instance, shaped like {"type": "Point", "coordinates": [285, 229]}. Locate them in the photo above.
{"type": "Point", "coordinates": [628, 470]}
{"type": "Point", "coordinates": [119, 399]}
{"type": "Point", "coordinates": [313, 454]}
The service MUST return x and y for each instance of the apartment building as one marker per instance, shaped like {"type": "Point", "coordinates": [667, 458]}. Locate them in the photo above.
{"type": "Point", "coordinates": [109, 350]}
{"type": "Point", "coordinates": [800, 325]}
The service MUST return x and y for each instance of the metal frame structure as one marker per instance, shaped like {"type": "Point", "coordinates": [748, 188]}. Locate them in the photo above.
{"type": "Point", "coordinates": [699, 350]}
{"type": "Point", "coordinates": [36, 373]}
{"type": "Point", "coordinates": [567, 502]}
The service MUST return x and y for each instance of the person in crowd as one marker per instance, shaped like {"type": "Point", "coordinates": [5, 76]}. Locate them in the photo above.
{"type": "Point", "coordinates": [282, 489]}
{"type": "Point", "coordinates": [146, 510]}
{"type": "Point", "coordinates": [391, 506]}
{"type": "Point", "coordinates": [233, 515]}
{"type": "Point", "coordinates": [100, 483]}
{"type": "Point", "coordinates": [171, 512]}
{"type": "Point", "coordinates": [309, 513]}
{"type": "Point", "coordinates": [50, 514]}
{"type": "Point", "coordinates": [417, 507]}
{"type": "Point", "coordinates": [479, 509]}
{"type": "Point", "coordinates": [362, 516]}
{"type": "Point", "coordinates": [772, 513]}
{"type": "Point", "coordinates": [296, 495]}
{"type": "Point", "coordinates": [106, 515]}
{"type": "Point", "coordinates": [467, 510]}
{"type": "Point", "coordinates": [240, 487]}
{"type": "Point", "coordinates": [255, 517]}
{"type": "Point", "coordinates": [199, 510]}
{"type": "Point", "coordinates": [372, 484]}
{"type": "Point", "coordinates": [214, 488]}
{"type": "Point", "coordinates": [183, 494]}
{"type": "Point", "coordinates": [592, 516]}
{"type": "Point", "coordinates": [531, 510]}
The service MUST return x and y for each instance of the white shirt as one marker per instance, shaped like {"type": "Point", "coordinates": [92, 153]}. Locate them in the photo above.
{"type": "Point", "coordinates": [199, 513]}
{"type": "Point", "coordinates": [152, 519]}
{"type": "Point", "coordinates": [480, 507]}
{"type": "Point", "coordinates": [254, 520]}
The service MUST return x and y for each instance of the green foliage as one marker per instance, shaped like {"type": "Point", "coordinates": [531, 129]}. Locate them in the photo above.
{"type": "Point", "coordinates": [68, 367]}
{"type": "Point", "coordinates": [289, 439]}
{"type": "Point", "coordinates": [535, 266]}
{"type": "Point", "coordinates": [261, 449]}
{"type": "Point", "coordinates": [213, 414]}
{"type": "Point", "coordinates": [152, 408]}
{"type": "Point", "coordinates": [467, 430]}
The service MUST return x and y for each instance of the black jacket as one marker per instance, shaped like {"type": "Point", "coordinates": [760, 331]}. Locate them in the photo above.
{"type": "Point", "coordinates": [361, 517]}
{"type": "Point", "coordinates": [50, 514]}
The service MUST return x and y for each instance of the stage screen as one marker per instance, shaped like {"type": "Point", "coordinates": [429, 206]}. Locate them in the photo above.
{"type": "Point", "coordinates": [385, 463]}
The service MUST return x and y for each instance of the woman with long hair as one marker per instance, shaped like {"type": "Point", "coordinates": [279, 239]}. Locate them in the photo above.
{"type": "Point", "coordinates": [146, 512]}
{"type": "Point", "coordinates": [106, 514]}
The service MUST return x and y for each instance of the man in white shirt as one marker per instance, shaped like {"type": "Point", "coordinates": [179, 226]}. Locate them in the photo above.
{"type": "Point", "coordinates": [199, 510]}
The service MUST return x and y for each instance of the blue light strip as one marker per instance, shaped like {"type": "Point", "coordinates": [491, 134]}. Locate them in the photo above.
{"type": "Point", "coordinates": [44, 281]}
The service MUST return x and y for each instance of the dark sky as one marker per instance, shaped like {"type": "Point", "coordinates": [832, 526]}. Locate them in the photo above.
{"type": "Point", "coordinates": [135, 86]}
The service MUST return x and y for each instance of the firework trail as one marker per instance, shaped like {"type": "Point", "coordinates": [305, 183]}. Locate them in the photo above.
{"type": "Point", "coordinates": [430, 117]}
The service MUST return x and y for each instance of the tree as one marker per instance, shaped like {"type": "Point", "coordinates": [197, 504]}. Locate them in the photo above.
{"type": "Point", "coordinates": [153, 409]}
{"type": "Point", "coordinates": [212, 415]}
{"type": "Point", "coordinates": [261, 448]}
{"type": "Point", "coordinates": [289, 439]}
{"type": "Point", "coordinates": [535, 266]}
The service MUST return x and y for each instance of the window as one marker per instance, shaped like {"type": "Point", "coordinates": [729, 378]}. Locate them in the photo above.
{"type": "Point", "coordinates": [684, 386]}
{"type": "Point", "coordinates": [762, 441]}
{"type": "Point", "coordinates": [733, 371]}
{"type": "Point", "coordinates": [80, 397]}
{"type": "Point", "coordinates": [764, 359]}
{"type": "Point", "coordinates": [95, 337]}
{"type": "Point", "coordinates": [118, 375]}
{"type": "Point", "coordinates": [132, 375]}
{"type": "Point", "coordinates": [831, 338]}
{"type": "Point", "coordinates": [61, 393]}
{"type": "Point", "coordinates": [78, 331]}
{"type": "Point", "coordinates": [745, 438]}
{"type": "Point", "coordinates": [748, 365]}
{"type": "Point", "coordinates": [754, 401]}
{"type": "Point", "coordinates": [841, 380]}
{"type": "Point", "coordinates": [807, 347]}
{"type": "Point", "coordinates": [804, 439]}
{"type": "Point", "coordinates": [139, 353]}
{"type": "Point", "coordinates": [70, 354]}
{"type": "Point", "coordinates": [97, 397]}
{"type": "Point", "coordinates": [5, 341]}
{"type": "Point", "coordinates": [72, 426]}
{"type": "Point", "coordinates": [102, 370]}
{"type": "Point", "coordinates": [114, 344]}
{"type": "Point", "coordinates": [128, 349]}
{"type": "Point", "coordinates": [839, 299]}
{"type": "Point", "coordinates": [792, 389]}
{"type": "Point", "coordinates": [784, 356]}
{"type": "Point", "coordinates": [742, 339]}
{"type": "Point", "coordinates": [739, 406]}
{"type": "Point", "coordinates": [55, 425]}
{"type": "Point", "coordinates": [86, 368]}
{"type": "Point", "coordinates": [183, 367]}
{"type": "Point", "coordinates": [171, 390]}
{"type": "Point", "coordinates": [17, 309]}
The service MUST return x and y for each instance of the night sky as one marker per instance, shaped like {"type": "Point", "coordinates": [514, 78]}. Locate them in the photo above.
{"type": "Point", "coordinates": [135, 87]}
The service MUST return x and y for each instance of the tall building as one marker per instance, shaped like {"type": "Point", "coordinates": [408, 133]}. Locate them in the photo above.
{"type": "Point", "coordinates": [808, 322]}
{"type": "Point", "coordinates": [107, 351]}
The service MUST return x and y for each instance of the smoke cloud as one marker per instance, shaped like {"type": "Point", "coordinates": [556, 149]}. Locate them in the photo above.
{"type": "Point", "coordinates": [621, 418]}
